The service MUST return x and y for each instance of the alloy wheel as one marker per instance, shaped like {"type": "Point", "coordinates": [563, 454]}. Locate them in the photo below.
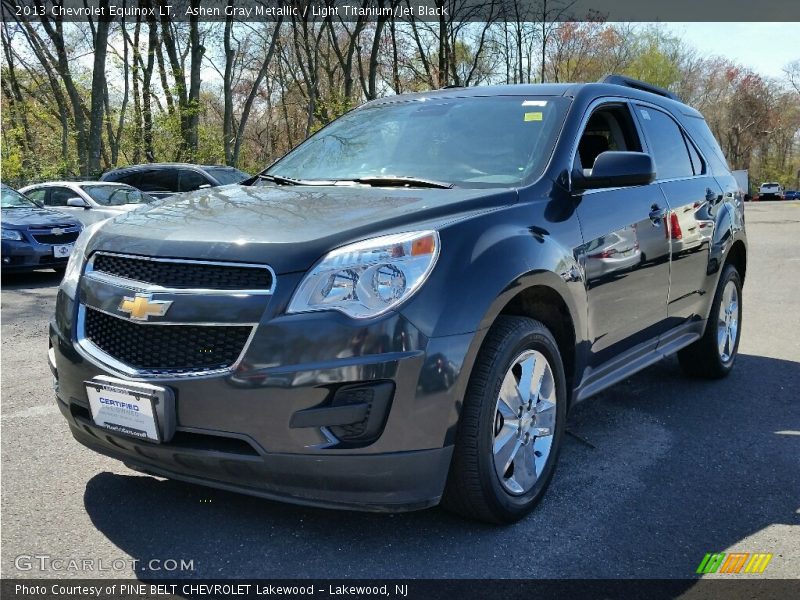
{"type": "Point", "coordinates": [728, 322]}
{"type": "Point", "coordinates": [524, 423]}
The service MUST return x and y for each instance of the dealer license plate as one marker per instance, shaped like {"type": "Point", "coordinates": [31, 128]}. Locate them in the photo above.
{"type": "Point", "coordinates": [125, 408]}
{"type": "Point", "coordinates": [62, 250]}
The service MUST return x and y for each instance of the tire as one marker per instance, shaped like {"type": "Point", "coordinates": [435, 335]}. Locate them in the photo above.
{"type": "Point", "coordinates": [514, 347]}
{"type": "Point", "coordinates": [708, 357]}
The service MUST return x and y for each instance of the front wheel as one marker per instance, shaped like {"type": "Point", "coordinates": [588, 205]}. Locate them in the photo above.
{"type": "Point", "coordinates": [511, 425]}
{"type": "Point", "coordinates": [713, 355]}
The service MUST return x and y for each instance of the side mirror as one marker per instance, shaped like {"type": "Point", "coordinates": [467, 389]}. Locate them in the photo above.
{"type": "Point", "coordinates": [77, 203]}
{"type": "Point", "coordinates": [618, 169]}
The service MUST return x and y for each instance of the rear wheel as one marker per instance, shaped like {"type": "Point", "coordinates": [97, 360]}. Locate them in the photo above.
{"type": "Point", "coordinates": [511, 424]}
{"type": "Point", "coordinates": [713, 355]}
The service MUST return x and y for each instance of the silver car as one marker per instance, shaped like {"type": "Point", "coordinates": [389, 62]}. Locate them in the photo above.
{"type": "Point", "coordinates": [88, 201]}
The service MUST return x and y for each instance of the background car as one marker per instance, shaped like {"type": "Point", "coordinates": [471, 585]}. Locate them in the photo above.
{"type": "Point", "coordinates": [770, 191]}
{"type": "Point", "coordinates": [34, 237]}
{"type": "Point", "coordinates": [88, 201]}
{"type": "Point", "coordinates": [165, 179]}
{"type": "Point", "coordinates": [791, 195]}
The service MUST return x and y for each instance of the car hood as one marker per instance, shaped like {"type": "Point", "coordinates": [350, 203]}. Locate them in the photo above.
{"type": "Point", "coordinates": [23, 218]}
{"type": "Point", "coordinates": [288, 228]}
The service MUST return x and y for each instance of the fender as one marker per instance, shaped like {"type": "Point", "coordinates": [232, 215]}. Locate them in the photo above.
{"type": "Point", "coordinates": [488, 266]}
{"type": "Point", "coordinates": [728, 230]}
{"type": "Point", "coordinates": [488, 263]}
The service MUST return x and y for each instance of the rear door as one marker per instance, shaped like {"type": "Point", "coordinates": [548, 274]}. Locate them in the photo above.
{"type": "Point", "coordinates": [625, 252]}
{"type": "Point", "coordinates": [692, 194]}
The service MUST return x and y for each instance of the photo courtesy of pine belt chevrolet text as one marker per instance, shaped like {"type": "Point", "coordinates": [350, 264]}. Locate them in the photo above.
{"type": "Point", "coordinates": [401, 311]}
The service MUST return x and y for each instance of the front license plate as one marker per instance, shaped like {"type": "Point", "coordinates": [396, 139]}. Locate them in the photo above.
{"type": "Point", "coordinates": [62, 250]}
{"type": "Point", "coordinates": [125, 409]}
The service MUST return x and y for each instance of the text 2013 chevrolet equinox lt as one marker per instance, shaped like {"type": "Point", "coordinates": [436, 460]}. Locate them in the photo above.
{"type": "Point", "coordinates": [402, 309]}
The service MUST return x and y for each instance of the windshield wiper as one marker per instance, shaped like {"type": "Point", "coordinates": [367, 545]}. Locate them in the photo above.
{"type": "Point", "coordinates": [376, 181]}
{"type": "Point", "coordinates": [394, 180]}
{"type": "Point", "coordinates": [281, 180]}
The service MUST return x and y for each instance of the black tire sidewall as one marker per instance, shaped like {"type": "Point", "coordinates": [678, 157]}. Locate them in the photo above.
{"type": "Point", "coordinates": [506, 506]}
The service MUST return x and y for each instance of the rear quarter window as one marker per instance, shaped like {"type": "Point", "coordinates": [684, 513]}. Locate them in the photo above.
{"type": "Point", "coordinates": [698, 129]}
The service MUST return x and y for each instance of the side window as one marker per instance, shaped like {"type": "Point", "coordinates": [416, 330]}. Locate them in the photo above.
{"type": "Point", "coordinates": [708, 143]}
{"type": "Point", "coordinates": [58, 196]}
{"type": "Point", "coordinates": [697, 162]}
{"type": "Point", "coordinates": [129, 178]}
{"type": "Point", "coordinates": [667, 145]}
{"type": "Point", "coordinates": [159, 180]}
{"type": "Point", "coordinates": [192, 180]}
{"type": "Point", "coordinates": [610, 127]}
{"type": "Point", "coordinates": [37, 195]}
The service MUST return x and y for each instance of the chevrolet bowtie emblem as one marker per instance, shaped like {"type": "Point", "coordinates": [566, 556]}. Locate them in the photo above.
{"type": "Point", "coordinates": [57, 231]}
{"type": "Point", "coordinates": [142, 306]}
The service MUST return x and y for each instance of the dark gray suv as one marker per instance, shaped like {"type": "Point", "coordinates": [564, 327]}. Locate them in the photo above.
{"type": "Point", "coordinates": [402, 310]}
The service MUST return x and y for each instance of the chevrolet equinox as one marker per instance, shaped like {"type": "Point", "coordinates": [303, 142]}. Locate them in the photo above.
{"type": "Point", "coordinates": [401, 310]}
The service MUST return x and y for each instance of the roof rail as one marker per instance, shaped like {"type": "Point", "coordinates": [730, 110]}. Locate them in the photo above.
{"type": "Point", "coordinates": [639, 85]}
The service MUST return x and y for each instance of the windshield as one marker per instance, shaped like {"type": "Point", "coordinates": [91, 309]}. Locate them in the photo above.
{"type": "Point", "coordinates": [115, 195]}
{"type": "Point", "coordinates": [12, 199]}
{"type": "Point", "coordinates": [227, 176]}
{"type": "Point", "coordinates": [496, 141]}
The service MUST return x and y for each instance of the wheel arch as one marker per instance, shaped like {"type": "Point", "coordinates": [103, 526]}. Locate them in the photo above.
{"type": "Point", "coordinates": [544, 304]}
{"type": "Point", "coordinates": [737, 256]}
{"type": "Point", "coordinates": [546, 297]}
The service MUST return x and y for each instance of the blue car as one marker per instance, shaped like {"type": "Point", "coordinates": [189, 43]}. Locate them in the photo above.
{"type": "Point", "coordinates": [34, 237]}
{"type": "Point", "coordinates": [791, 195]}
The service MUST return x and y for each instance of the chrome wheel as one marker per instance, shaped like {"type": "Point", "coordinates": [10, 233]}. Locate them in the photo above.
{"type": "Point", "coordinates": [728, 322]}
{"type": "Point", "coordinates": [524, 422]}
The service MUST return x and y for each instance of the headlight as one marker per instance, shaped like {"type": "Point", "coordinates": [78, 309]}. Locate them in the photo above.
{"type": "Point", "coordinates": [368, 278]}
{"type": "Point", "coordinates": [11, 234]}
{"type": "Point", "coordinates": [69, 284]}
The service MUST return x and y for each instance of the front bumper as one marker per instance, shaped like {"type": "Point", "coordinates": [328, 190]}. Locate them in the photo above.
{"type": "Point", "coordinates": [377, 482]}
{"type": "Point", "coordinates": [235, 430]}
{"type": "Point", "coordinates": [27, 256]}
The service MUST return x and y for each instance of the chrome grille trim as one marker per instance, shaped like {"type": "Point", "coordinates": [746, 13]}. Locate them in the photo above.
{"type": "Point", "coordinates": [97, 356]}
{"type": "Point", "coordinates": [149, 287]}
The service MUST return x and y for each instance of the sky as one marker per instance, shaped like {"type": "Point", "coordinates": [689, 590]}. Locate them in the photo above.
{"type": "Point", "coordinates": [765, 47]}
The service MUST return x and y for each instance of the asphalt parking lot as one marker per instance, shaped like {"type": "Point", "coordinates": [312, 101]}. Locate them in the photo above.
{"type": "Point", "coordinates": [658, 471]}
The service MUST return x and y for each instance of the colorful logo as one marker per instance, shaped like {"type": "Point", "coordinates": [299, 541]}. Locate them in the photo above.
{"type": "Point", "coordinates": [734, 562]}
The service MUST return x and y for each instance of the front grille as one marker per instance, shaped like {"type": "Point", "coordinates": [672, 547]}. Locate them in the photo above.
{"type": "Point", "coordinates": [51, 238]}
{"type": "Point", "coordinates": [184, 275]}
{"type": "Point", "coordinates": [166, 348]}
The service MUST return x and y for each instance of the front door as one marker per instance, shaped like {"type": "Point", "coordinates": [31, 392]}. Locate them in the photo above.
{"type": "Point", "coordinates": [625, 254]}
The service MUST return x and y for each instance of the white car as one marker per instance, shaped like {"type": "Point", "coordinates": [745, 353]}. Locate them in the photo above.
{"type": "Point", "coordinates": [770, 191]}
{"type": "Point", "coordinates": [88, 201]}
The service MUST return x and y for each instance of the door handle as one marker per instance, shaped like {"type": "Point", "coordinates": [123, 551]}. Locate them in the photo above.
{"type": "Point", "coordinates": [657, 214]}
